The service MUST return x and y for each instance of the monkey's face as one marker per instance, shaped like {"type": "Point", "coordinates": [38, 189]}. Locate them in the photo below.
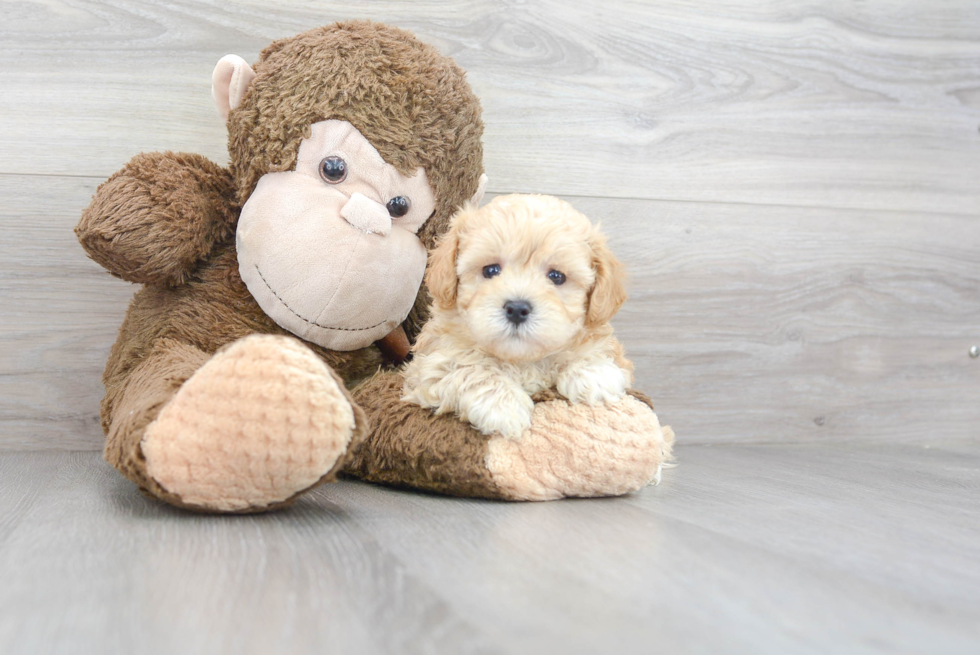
{"type": "Point", "coordinates": [329, 250]}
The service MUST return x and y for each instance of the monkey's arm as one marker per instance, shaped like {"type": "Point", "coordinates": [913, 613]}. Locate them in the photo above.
{"type": "Point", "coordinates": [569, 450]}
{"type": "Point", "coordinates": [155, 219]}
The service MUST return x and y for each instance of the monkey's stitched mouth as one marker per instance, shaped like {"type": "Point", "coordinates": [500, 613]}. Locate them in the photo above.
{"type": "Point", "coordinates": [306, 320]}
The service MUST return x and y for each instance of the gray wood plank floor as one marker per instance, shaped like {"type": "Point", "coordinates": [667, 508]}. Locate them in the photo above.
{"type": "Point", "coordinates": [801, 548]}
{"type": "Point", "coordinates": [746, 323]}
{"type": "Point", "coordinates": [869, 105]}
{"type": "Point", "coordinates": [793, 186]}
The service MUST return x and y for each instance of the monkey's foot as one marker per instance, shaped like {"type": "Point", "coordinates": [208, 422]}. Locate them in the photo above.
{"type": "Point", "coordinates": [262, 421]}
{"type": "Point", "coordinates": [570, 449]}
{"type": "Point", "coordinates": [580, 450]}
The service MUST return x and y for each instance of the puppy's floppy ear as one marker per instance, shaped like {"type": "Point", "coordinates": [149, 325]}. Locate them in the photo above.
{"type": "Point", "coordinates": [609, 292]}
{"type": "Point", "coordinates": [441, 277]}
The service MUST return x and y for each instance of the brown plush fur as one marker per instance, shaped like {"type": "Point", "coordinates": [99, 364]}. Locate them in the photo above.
{"type": "Point", "coordinates": [167, 220]}
{"type": "Point", "coordinates": [148, 388]}
{"type": "Point", "coordinates": [412, 447]}
{"type": "Point", "coordinates": [154, 221]}
{"type": "Point", "coordinates": [411, 102]}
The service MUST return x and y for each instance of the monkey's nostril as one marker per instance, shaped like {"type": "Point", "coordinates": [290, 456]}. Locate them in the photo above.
{"type": "Point", "coordinates": [517, 311]}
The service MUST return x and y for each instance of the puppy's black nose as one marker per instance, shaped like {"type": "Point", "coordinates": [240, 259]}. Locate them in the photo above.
{"type": "Point", "coordinates": [517, 311]}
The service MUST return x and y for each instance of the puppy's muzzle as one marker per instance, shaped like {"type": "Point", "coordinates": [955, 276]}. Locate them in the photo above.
{"type": "Point", "coordinates": [517, 311]}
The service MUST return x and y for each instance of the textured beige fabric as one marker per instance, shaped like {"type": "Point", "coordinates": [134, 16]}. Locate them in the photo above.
{"type": "Point", "coordinates": [229, 81]}
{"type": "Point", "coordinates": [261, 421]}
{"type": "Point", "coordinates": [368, 173]}
{"type": "Point", "coordinates": [366, 215]}
{"type": "Point", "coordinates": [580, 450]}
{"type": "Point", "coordinates": [326, 261]}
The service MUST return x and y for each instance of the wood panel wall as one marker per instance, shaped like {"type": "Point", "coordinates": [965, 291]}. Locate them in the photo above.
{"type": "Point", "coordinates": [795, 187]}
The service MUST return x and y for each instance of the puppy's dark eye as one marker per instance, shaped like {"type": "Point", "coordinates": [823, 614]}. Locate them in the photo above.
{"type": "Point", "coordinates": [398, 206]}
{"type": "Point", "coordinates": [333, 170]}
{"type": "Point", "coordinates": [493, 270]}
{"type": "Point", "coordinates": [557, 277]}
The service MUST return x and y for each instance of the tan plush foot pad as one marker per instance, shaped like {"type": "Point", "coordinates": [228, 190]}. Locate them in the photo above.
{"type": "Point", "coordinates": [578, 450]}
{"type": "Point", "coordinates": [260, 422]}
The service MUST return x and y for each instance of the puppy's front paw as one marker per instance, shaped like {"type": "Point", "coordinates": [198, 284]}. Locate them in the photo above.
{"type": "Point", "coordinates": [593, 383]}
{"type": "Point", "coordinates": [507, 412]}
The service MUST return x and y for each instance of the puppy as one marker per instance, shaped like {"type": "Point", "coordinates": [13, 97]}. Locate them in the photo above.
{"type": "Point", "coordinates": [523, 290]}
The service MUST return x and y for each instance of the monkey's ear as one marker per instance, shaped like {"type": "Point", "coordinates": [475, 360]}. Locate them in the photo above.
{"type": "Point", "coordinates": [229, 81]}
{"type": "Point", "coordinates": [480, 190]}
{"type": "Point", "coordinates": [441, 277]}
{"type": "Point", "coordinates": [609, 292]}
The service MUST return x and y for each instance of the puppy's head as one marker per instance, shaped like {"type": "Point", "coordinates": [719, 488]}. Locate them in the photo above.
{"type": "Point", "coordinates": [528, 274]}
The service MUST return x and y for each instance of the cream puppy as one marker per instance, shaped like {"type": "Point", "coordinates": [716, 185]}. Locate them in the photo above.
{"type": "Point", "coordinates": [523, 290]}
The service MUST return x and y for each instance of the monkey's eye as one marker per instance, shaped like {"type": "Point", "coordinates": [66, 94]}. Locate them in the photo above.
{"type": "Point", "coordinates": [493, 270]}
{"type": "Point", "coordinates": [557, 277]}
{"type": "Point", "coordinates": [333, 170]}
{"type": "Point", "coordinates": [398, 206]}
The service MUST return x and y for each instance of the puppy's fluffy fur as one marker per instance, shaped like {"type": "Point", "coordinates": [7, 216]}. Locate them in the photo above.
{"type": "Point", "coordinates": [471, 360]}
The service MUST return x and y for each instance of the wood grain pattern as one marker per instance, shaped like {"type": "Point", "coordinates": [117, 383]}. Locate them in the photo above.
{"type": "Point", "coordinates": [793, 186]}
{"type": "Point", "coordinates": [747, 323]}
{"type": "Point", "coordinates": [60, 315]}
{"type": "Point", "coordinates": [751, 321]}
{"type": "Point", "coordinates": [765, 549]}
{"type": "Point", "coordinates": [761, 324]}
{"type": "Point", "coordinates": [869, 105]}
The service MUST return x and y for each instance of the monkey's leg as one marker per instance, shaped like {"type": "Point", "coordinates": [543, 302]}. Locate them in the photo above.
{"type": "Point", "coordinates": [569, 450]}
{"type": "Point", "coordinates": [246, 430]}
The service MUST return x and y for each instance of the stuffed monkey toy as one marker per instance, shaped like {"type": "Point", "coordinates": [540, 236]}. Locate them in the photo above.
{"type": "Point", "coordinates": [256, 360]}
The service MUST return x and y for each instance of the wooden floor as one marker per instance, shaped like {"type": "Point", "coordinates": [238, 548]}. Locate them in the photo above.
{"type": "Point", "coordinates": [793, 186]}
{"type": "Point", "coordinates": [742, 549]}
